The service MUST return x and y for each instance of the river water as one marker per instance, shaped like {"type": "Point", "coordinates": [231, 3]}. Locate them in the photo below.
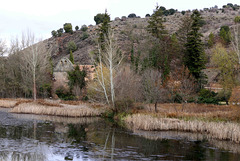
{"type": "Point", "coordinates": [44, 138]}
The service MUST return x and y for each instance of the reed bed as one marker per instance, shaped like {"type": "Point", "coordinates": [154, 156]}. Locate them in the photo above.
{"type": "Point", "coordinates": [215, 130]}
{"type": "Point", "coordinates": [5, 103]}
{"type": "Point", "coordinates": [65, 110]}
{"type": "Point", "coordinates": [58, 119]}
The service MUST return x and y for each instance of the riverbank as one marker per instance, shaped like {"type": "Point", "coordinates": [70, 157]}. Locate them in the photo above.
{"type": "Point", "coordinates": [217, 122]}
{"type": "Point", "coordinates": [53, 107]}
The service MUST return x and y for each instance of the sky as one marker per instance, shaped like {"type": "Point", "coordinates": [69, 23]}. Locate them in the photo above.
{"type": "Point", "coordinates": [43, 16]}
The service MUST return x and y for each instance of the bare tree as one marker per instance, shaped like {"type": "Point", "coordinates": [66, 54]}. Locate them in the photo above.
{"type": "Point", "coordinates": [110, 59]}
{"type": "Point", "coordinates": [236, 38]}
{"type": "Point", "coordinates": [35, 61]}
{"type": "Point", "coordinates": [153, 87]}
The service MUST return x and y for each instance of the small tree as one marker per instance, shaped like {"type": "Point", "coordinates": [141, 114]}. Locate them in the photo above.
{"type": "Point", "coordinates": [132, 15]}
{"type": "Point", "coordinates": [76, 28]}
{"type": "Point", "coordinates": [72, 46]}
{"type": "Point", "coordinates": [68, 27]}
{"type": "Point", "coordinates": [77, 80]}
{"type": "Point", "coordinates": [60, 32]}
{"type": "Point", "coordinates": [210, 40]}
{"type": "Point", "coordinates": [225, 34]}
{"type": "Point", "coordinates": [54, 33]}
{"type": "Point", "coordinates": [101, 17]}
{"type": "Point", "coordinates": [84, 28]}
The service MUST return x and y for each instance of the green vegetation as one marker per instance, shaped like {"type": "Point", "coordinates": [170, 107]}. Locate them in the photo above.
{"type": "Point", "coordinates": [101, 17]}
{"type": "Point", "coordinates": [68, 28]}
{"type": "Point", "coordinates": [84, 28]}
{"type": "Point", "coordinates": [225, 34]}
{"type": "Point", "coordinates": [71, 58]}
{"type": "Point", "coordinates": [76, 28]}
{"type": "Point", "coordinates": [72, 46]}
{"type": "Point", "coordinates": [194, 57]}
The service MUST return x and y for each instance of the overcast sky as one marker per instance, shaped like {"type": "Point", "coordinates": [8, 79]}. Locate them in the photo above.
{"type": "Point", "coordinates": [43, 16]}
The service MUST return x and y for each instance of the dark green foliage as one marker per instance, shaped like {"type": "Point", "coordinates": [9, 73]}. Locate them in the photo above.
{"type": "Point", "coordinates": [194, 57]}
{"type": "Point", "coordinates": [64, 95]}
{"type": "Point", "coordinates": [84, 36]}
{"type": "Point", "coordinates": [76, 28]}
{"type": "Point", "coordinates": [103, 30]}
{"type": "Point", "coordinates": [225, 34]}
{"type": "Point", "coordinates": [60, 32]}
{"type": "Point", "coordinates": [77, 133]}
{"type": "Point", "coordinates": [171, 11]}
{"type": "Point", "coordinates": [147, 15]}
{"type": "Point", "coordinates": [77, 78]}
{"type": "Point", "coordinates": [45, 90]}
{"type": "Point", "coordinates": [72, 46]}
{"type": "Point", "coordinates": [101, 17]}
{"type": "Point", "coordinates": [177, 98]}
{"type": "Point", "coordinates": [54, 33]}
{"type": "Point", "coordinates": [71, 58]}
{"type": "Point", "coordinates": [84, 28]}
{"type": "Point", "coordinates": [183, 12]}
{"type": "Point", "coordinates": [211, 40]}
{"type": "Point", "coordinates": [132, 15]}
{"type": "Point", "coordinates": [207, 96]}
{"type": "Point", "coordinates": [68, 27]}
{"type": "Point", "coordinates": [155, 24]}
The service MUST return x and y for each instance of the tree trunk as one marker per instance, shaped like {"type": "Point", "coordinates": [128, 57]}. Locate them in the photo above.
{"type": "Point", "coordinates": [34, 89]}
{"type": "Point", "coordinates": [156, 106]}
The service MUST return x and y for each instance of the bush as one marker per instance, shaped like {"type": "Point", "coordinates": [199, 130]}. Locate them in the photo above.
{"type": "Point", "coordinates": [207, 96]}
{"type": "Point", "coordinates": [59, 32]}
{"type": "Point", "coordinates": [64, 95]}
{"type": "Point", "coordinates": [72, 46]}
{"type": "Point", "coordinates": [84, 36]}
{"type": "Point", "coordinates": [225, 34]}
{"type": "Point", "coordinates": [68, 27]}
{"type": "Point", "coordinates": [54, 33]}
{"type": "Point", "coordinates": [99, 18]}
{"type": "Point", "coordinates": [132, 15]}
{"type": "Point", "coordinates": [123, 105]}
{"type": "Point", "coordinates": [147, 15]}
{"type": "Point", "coordinates": [224, 95]}
{"type": "Point", "coordinates": [76, 28]}
{"type": "Point", "coordinates": [84, 28]}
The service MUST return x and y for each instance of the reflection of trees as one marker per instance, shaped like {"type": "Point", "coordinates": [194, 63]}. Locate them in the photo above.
{"type": "Point", "coordinates": [77, 132]}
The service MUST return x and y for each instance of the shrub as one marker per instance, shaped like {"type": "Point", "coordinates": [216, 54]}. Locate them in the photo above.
{"type": "Point", "coordinates": [132, 15]}
{"type": "Point", "coordinates": [72, 46]}
{"type": "Point", "coordinates": [123, 105]}
{"type": "Point", "coordinates": [68, 27]}
{"type": "Point", "coordinates": [207, 96]}
{"type": "Point", "coordinates": [59, 32]}
{"type": "Point", "coordinates": [54, 33]}
{"type": "Point", "coordinates": [99, 18]}
{"type": "Point", "coordinates": [147, 15]}
{"type": "Point", "coordinates": [63, 94]}
{"type": "Point", "coordinates": [84, 36]}
{"type": "Point", "coordinates": [76, 28]}
{"type": "Point", "coordinates": [183, 12]}
{"type": "Point", "coordinates": [84, 28]}
{"type": "Point", "coordinates": [225, 34]}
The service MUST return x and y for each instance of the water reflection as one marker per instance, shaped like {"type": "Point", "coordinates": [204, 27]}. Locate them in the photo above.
{"type": "Point", "coordinates": [31, 137]}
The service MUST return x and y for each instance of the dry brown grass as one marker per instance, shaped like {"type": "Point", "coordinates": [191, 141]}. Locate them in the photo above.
{"type": "Point", "coordinates": [7, 103]}
{"type": "Point", "coordinates": [215, 130]}
{"type": "Point", "coordinates": [196, 111]}
{"type": "Point", "coordinates": [65, 110]}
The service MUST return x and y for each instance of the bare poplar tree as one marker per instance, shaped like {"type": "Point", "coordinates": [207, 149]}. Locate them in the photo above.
{"type": "Point", "coordinates": [110, 59]}
{"type": "Point", "coordinates": [35, 61]}
{"type": "Point", "coordinates": [236, 38]}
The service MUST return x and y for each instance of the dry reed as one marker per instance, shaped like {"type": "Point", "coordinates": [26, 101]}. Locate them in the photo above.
{"type": "Point", "coordinates": [215, 130]}
{"type": "Point", "coordinates": [5, 103]}
{"type": "Point", "coordinates": [66, 110]}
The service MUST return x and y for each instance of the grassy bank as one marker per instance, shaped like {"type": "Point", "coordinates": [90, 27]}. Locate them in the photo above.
{"type": "Point", "coordinates": [53, 107]}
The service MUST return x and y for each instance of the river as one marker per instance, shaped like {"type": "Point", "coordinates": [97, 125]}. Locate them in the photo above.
{"type": "Point", "coordinates": [25, 137]}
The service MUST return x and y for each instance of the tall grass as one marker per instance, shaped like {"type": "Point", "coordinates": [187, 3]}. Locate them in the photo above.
{"type": "Point", "coordinates": [7, 103]}
{"type": "Point", "coordinates": [65, 110]}
{"type": "Point", "coordinates": [215, 130]}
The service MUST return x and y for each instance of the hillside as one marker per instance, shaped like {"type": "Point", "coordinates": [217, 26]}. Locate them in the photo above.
{"type": "Point", "coordinates": [132, 31]}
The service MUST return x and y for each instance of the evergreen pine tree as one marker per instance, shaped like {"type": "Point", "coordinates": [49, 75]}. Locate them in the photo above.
{"type": "Point", "coordinates": [194, 57]}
